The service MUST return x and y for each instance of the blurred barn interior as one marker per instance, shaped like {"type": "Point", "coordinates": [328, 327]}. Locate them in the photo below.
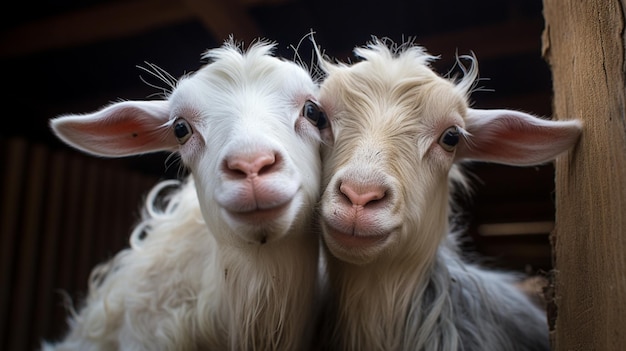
{"type": "Point", "coordinates": [62, 212]}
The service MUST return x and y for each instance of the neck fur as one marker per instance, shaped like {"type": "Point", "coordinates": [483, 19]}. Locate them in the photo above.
{"type": "Point", "coordinates": [373, 305]}
{"type": "Point", "coordinates": [267, 294]}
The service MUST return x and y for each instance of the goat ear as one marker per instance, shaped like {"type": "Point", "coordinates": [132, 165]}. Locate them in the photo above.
{"type": "Point", "coordinates": [515, 138]}
{"type": "Point", "coordinates": [122, 129]}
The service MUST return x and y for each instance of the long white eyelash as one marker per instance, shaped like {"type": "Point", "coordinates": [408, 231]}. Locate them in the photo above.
{"type": "Point", "coordinates": [467, 137]}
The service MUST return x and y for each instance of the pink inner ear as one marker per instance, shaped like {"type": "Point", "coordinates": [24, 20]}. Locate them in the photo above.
{"type": "Point", "coordinates": [126, 135]}
{"type": "Point", "coordinates": [122, 129]}
{"type": "Point", "coordinates": [512, 141]}
{"type": "Point", "coordinates": [515, 138]}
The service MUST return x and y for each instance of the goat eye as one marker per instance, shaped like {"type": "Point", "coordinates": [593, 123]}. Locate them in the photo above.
{"type": "Point", "coordinates": [449, 139]}
{"type": "Point", "coordinates": [182, 131]}
{"type": "Point", "coordinates": [314, 114]}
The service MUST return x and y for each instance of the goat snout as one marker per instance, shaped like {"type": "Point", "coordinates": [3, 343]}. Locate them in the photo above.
{"type": "Point", "coordinates": [363, 195]}
{"type": "Point", "coordinates": [257, 186]}
{"type": "Point", "coordinates": [250, 165]}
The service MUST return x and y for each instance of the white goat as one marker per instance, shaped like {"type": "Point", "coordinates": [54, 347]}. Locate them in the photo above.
{"type": "Point", "coordinates": [396, 279]}
{"type": "Point", "coordinates": [231, 262]}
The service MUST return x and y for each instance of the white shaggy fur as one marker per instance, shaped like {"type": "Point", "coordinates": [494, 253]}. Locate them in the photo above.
{"type": "Point", "coordinates": [396, 279]}
{"type": "Point", "coordinates": [230, 261]}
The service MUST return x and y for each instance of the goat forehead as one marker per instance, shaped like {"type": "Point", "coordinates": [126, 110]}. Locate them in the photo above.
{"type": "Point", "coordinates": [371, 87]}
{"type": "Point", "coordinates": [257, 71]}
{"type": "Point", "coordinates": [250, 104]}
{"type": "Point", "coordinates": [233, 73]}
{"type": "Point", "coordinates": [393, 116]}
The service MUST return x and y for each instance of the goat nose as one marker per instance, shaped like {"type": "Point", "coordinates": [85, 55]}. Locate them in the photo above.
{"type": "Point", "coordinates": [364, 194]}
{"type": "Point", "coordinates": [254, 164]}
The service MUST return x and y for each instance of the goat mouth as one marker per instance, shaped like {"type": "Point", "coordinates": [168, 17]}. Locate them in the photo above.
{"type": "Point", "coordinates": [259, 215]}
{"type": "Point", "coordinates": [352, 240]}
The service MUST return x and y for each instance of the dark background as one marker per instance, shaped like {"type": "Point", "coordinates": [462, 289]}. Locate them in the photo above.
{"type": "Point", "coordinates": [61, 210]}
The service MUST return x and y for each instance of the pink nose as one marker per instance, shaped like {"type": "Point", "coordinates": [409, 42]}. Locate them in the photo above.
{"type": "Point", "coordinates": [252, 164]}
{"type": "Point", "coordinates": [363, 194]}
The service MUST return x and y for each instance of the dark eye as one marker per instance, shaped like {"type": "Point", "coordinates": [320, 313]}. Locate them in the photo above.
{"type": "Point", "coordinates": [449, 139]}
{"type": "Point", "coordinates": [182, 131]}
{"type": "Point", "coordinates": [314, 114]}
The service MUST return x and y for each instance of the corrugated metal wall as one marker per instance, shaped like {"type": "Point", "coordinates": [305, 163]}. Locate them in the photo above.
{"type": "Point", "coordinates": [60, 214]}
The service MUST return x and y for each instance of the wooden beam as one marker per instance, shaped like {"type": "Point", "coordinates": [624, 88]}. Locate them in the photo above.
{"type": "Point", "coordinates": [488, 42]}
{"type": "Point", "coordinates": [584, 44]}
{"type": "Point", "coordinates": [225, 17]}
{"type": "Point", "coordinates": [109, 21]}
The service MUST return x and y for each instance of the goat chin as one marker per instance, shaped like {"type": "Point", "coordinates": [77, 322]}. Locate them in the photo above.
{"type": "Point", "coordinates": [264, 225]}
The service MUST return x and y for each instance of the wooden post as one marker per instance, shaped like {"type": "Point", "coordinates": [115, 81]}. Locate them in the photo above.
{"type": "Point", "coordinates": [583, 42]}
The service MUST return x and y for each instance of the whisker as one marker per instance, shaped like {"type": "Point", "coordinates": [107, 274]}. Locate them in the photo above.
{"type": "Point", "coordinates": [161, 75]}
{"type": "Point", "coordinates": [298, 58]}
{"type": "Point", "coordinates": [175, 159]}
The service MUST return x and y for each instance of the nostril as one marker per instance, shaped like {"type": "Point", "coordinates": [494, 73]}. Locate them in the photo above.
{"type": "Point", "coordinates": [269, 164]}
{"type": "Point", "coordinates": [232, 170]}
{"type": "Point", "coordinates": [364, 194]}
{"type": "Point", "coordinates": [247, 165]}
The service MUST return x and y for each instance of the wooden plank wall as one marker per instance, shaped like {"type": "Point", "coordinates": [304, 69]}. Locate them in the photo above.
{"type": "Point", "coordinates": [60, 214]}
{"type": "Point", "coordinates": [584, 44]}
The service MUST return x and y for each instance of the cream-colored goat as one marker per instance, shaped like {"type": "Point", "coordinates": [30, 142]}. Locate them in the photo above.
{"type": "Point", "coordinates": [396, 279]}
